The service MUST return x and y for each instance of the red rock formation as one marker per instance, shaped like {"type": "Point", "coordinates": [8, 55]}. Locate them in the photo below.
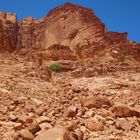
{"type": "Point", "coordinates": [8, 31]}
{"type": "Point", "coordinates": [117, 37]}
{"type": "Point", "coordinates": [68, 25]}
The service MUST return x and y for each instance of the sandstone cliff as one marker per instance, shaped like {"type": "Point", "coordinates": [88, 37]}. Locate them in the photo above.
{"type": "Point", "coordinates": [8, 31]}
{"type": "Point", "coordinates": [69, 26]}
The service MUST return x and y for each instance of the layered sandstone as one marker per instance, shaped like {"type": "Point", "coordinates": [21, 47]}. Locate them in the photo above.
{"type": "Point", "coordinates": [75, 27]}
{"type": "Point", "coordinates": [8, 31]}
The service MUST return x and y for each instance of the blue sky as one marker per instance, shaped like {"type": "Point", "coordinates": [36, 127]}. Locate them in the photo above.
{"type": "Point", "coordinates": [118, 15]}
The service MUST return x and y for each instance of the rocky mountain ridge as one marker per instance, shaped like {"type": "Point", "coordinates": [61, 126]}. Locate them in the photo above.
{"type": "Point", "coordinates": [70, 26]}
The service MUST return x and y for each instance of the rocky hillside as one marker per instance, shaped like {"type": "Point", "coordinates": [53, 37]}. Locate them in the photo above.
{"type": "Point", "coordinates": [95, 95]}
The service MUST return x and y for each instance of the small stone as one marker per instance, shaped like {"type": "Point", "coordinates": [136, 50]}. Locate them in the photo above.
{"type": "Point", "coordinates": [22, 98]}
{"type": "Point", "coordinates": [124, 124]}
{"type": "Point", "coordinates": [134, 120]}
{"type": "Point", "coordinates": [70, 112]}
{"type": "Point", "coordinates": [114, 130]}
{"type": "Point", "coordinates": [25, 119]}
{"type": "Point", "coordinates": [31, 114]}
{"type": "Point", "coordinates": [18, 126]}
{"type": "Point", "coordinates": [81, 112]}
{"type": "Point", "coordinates": [13, 117]}
{"type": "Point", "coordinates": [16, 136]}
{"type": "Point", "coordinates": [110, 122]}
{"type": "Point", "coordinates": [39, 111]}
{"type": "Point", "coordinates": [89, 113]}
{"type": "Point", "coordinates": [34, 128]}
{"type": "Point", "coordinates": [94, 125]}
{"type": "Point", "coordinates": [26, 134]}
{"type": "Point", "coordinates": [45, 125]}
{"type": "Point", "coordinates": [80, 134]}
{"type": "Point", "coordinates": [72, 125]}
{"type": "Point", "coordinates": [43, 119]}
{"type": "Point", "coordinates": [114, 138]}
{"type": "Point", "coordinates": [115, 52]}
{"type": "Point", "coordinates": [11, 107]}
{"type": "Point", "coordinates": [36, 101]}
{"type": "Point", "coordinates": [83, 128]}
{"type": "Point", "coordinates": [11, 124]}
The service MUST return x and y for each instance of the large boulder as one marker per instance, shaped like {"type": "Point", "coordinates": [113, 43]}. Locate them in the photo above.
{"type": "Point", "coordinates": [94, 124]}
{"type": "Point", "coordinates": [125, 111]}
{"type": "Point", "coordinates": [95, 102]}
{"type": "Point", "coordinates": [57, 133]}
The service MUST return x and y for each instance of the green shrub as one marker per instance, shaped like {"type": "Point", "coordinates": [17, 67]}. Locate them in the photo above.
{"type": "Point", "coordinates": [55, 67]}
{"type": "Point", "coordinates": [126, 62]}
{"type": "Point", "coordinates": [98, 61]}
{"type": "Point", "coordinates": [82, 99]}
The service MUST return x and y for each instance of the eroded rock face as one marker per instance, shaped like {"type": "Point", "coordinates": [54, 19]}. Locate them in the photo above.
{"type": "Point", "coordinates": [54, 52]}
{"type": "Point", "coordinates": [78, 26]}
{"type": "Point", "coordinates": [8, 32]}
{"type": "Point", "coordinates": [75, 27]}
{"type": "Point", "coordinates": [68, 25]}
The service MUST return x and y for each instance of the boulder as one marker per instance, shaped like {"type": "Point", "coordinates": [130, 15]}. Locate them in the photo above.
{"type": "Point", "coordinates": [56, 133]}
{"type": "Point", "coordinates": [94, 124]}
{"type": "Point", "coordinates": [124, 124]}
{"type": "Point", "coordinates": [70, 112]}
{"type": "Point", "coordinates": [125, 111]}
{"type": "Point", "coordinates": [95, 102]}
{"type": "Point", "coordinates": [34, 128]}
{"type": "Point", "coordinates": [26, 134]}
{"type": "Point", "coordinates": [43, 119]}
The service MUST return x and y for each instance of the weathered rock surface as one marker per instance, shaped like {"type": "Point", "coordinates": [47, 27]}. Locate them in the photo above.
{"type": "Point", "coordinates": [87, 107]}
{"type": "Point", "coordinates": [95, 102]}
{"type": "Point", "coordinates": [26, 134]}
{"type": "Point", "coordinates": [70, 112]}
{"type": "Point", "coordinates": [125, 111]}
{"type": "Point", "coordinates": [68, 32]}
{"type": "Point", "coordinates": [8, 32]}
{"type": "Point", "coordinates": [94, 125]}
{"type": "Point", "coordinates": [57, 133]}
